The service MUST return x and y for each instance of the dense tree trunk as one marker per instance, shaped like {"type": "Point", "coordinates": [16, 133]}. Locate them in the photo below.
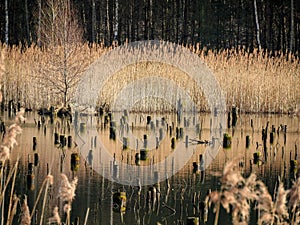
{"type": "Point", "coordinates": [151, 24]}
{"type": "Point", "coordinates": [116, 20]}
{"type": "Point", "coordinates": [292, 40]}
{"type": "Point", "coordinates": [271, 25]}
{"type": "Point", "coordinates": [94, 28]}
{"type": "Point", "coordinates": [39, 23]}
{"type": "Point", "coordinates": [257, 25]}
{"type": "Point", "coordinates": [107, 23]}
{"type": "Point", "coordinates": [27, 23]}
{"type": "Point", "coordinates": [6, 22]}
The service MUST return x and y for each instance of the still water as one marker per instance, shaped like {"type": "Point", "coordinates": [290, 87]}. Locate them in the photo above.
{"type": "Point", "coordinates": [101, 174]}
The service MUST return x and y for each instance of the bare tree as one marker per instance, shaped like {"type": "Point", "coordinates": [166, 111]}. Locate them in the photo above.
{"type": "Point", "coordinates": [62, 38]}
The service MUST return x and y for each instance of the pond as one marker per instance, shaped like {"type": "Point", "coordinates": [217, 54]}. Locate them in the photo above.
{"type": "Point", "coordinates": [105, 166]}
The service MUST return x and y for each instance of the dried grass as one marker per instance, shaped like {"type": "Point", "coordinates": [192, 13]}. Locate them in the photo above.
{"type": "Point", "coordinates": [253, 81]}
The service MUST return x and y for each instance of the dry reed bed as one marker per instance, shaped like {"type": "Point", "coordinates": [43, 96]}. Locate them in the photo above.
{"type": "Point", "coordinates": [142, 70]}
{"type": "Point", "coordinates": [255, 82]}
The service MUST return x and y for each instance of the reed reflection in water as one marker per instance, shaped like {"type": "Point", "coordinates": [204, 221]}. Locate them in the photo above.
{"type": "Point", "coordinates": [168, 202]}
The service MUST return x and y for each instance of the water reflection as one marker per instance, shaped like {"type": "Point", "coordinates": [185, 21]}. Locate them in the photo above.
{"type": "Point", "coordinates": [154, 143]}
{"type": "Point", "coordinates": [169, 201]}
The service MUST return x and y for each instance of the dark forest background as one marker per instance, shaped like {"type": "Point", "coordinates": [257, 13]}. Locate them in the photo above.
{"type": "Point", "coordinates": [215, 24]}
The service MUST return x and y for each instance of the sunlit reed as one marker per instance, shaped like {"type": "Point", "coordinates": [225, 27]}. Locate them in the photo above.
{"type": "Point", "coordinates": [254, 81]}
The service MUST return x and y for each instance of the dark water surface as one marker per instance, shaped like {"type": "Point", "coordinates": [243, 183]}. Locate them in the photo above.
{"type": "Point", "coordinates": [174, 204]}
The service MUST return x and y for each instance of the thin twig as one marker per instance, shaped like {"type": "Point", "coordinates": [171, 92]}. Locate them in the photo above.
{"type": "Point", "coordinates": [12, 192]}
{"type": "Point", "coordinates": [44, 202]}
{"type": "Point", "coordinates": [2, 202]}
{"type": "Point", "coordinates": [13, 210]}
{"type": "Point", "coordinates": [11, 172]}
{"type": "Point", "coordinates": [68, 218]}
{"type": "Point", "coordinates": [86, 215]}
{"type": "Point", "coordinates": [38, 197]}
{"type": "Point", "coordinates": [217, 213]}
{"type": "Point", "coordinates": [1, 174]}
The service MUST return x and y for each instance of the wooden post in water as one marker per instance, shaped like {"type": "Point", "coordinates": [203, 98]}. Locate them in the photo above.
{"type": "Point", "coordinates": [34, 143]}
{"type": "Point", "coordinates": [272, 137]}
{"type": "Point", "coordinates": [70, 141]}
{"type": "Point", "coordinates": [284, 134]}
{"type": "Point", "coordinates": [247, 141]}
{"type": "Point", "coordinates": [36, 159]}
{"type": "Point", "coordinates": [145, 141]}
{"type": "Point", "coordinates": [125, 143]}
{"type": "Point", "coordinates": [226, 141]}
{"type": "Point", "coordinates": [234, 115]}
{"type": "Point", "coordinates": [186, 141]}
{"type": "Point", "coordinates": [192, 221]}
{"type": "Point", "coordinates": [56, 138]}
{"type": "Point", "coordinates": [62, 140]}
{"type": "Point", "coordinates": [228, 120]}
{"type": "Point", "coordinates": [173, 140]}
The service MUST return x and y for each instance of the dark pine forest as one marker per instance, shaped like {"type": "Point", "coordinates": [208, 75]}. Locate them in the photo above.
{"type": "Point", "coordinates": [270, 25]}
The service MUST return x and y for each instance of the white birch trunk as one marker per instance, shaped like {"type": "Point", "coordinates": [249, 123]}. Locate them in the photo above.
{"type": "Point", "coordinates": [257, 25]}
{"type": "Point", "coordinates": [27, 22]}
{"type": "Point", "coordinates": [93, 20]}
{"type": "Point", "coordinates": [292, 34]}
{"type": "Point", "coordinates": [107, 20]}
{"type": "Point", "coordinates": [6, 22]}
{"type": "Point", "coordinates": [39, 23]}
{"type": "Point", "coordinates": [116, 22]}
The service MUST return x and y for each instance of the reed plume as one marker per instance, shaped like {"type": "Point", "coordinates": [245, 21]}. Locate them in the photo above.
{"type": "Point", "coordinates": [265, 205]}
{"type": "Point", "coordinates": [9, 139]}
{"type": "Point", "coordinates": [25, 219]}
{"type": "Point", "coordinates": [67, 193]}
{"type": "Point", "coordinates": [294, 200]}
{"type": "Point", "coordinates": [235, 194]}
{"type": "Point", "coordinates": [294, 195]}
{"type": "Point", "coordinates": [50, 178]}
{"type": "Point", "coordinates": [4, 153]}
{"type": "Point", "coordinates": [55, 219]}
{"type": "Point", "coordinates": [281, 211]}
{"type": "Point", "coordinates": [67, 189]}
{"type": "Point", "coordinates": [20, 116]}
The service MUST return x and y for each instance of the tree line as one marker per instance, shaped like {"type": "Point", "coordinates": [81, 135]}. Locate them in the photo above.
{"type": "Point", "coordinates": [216, 24]}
